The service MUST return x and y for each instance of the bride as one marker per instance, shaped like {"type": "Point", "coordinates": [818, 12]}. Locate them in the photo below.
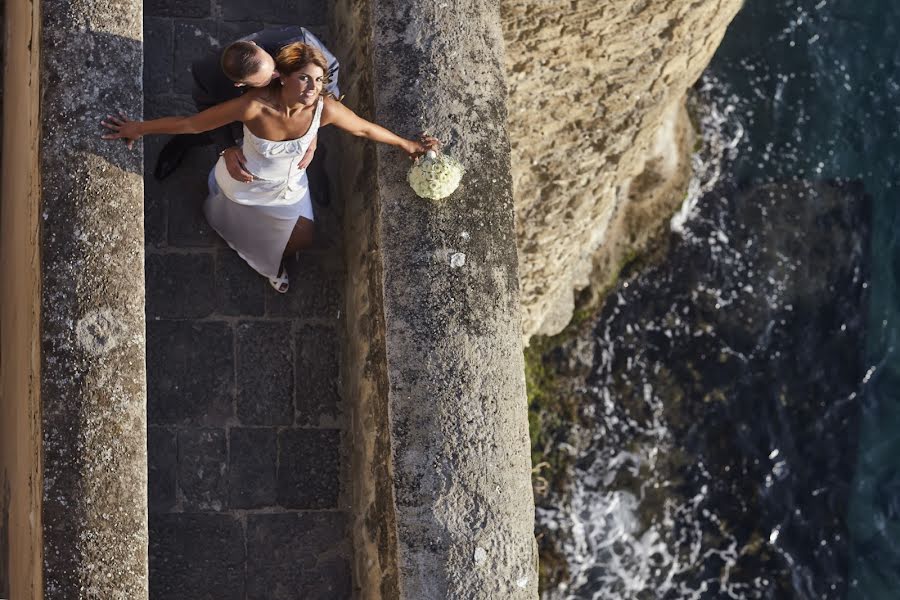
{"type": "Point", "coordinates": [270, 216]}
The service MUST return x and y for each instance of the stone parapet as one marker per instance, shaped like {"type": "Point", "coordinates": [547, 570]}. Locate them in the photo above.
{"type": "Point", "coordinates": [441, 467]}
{"type": "Point", "coordinates": [92, 365]}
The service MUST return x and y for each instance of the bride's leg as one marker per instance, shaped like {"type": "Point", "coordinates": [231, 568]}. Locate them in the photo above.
{"type": "Point", "coordinates": [301, 237]}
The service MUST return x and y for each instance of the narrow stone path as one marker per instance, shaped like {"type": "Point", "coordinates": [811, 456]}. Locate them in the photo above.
{"type": "Point", "coordinates": [246, 484]}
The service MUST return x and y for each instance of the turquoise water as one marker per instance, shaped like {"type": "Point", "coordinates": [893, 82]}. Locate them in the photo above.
{"type": "Point", "coordinates": [818, 85]}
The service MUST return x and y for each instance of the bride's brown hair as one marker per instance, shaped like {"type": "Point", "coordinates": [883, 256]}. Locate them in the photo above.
{"type": "Point", "coordinates": [294, 57]}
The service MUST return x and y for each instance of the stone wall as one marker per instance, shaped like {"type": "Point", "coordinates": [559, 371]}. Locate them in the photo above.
{"type": "Point", "coordinates": [365, 382]}
{"type": "Point", "coordinates": [443, 507]}
{"type": "Point", "coordinates": [92, 352]}
{"type": "Point", "coordinates": [599, 134]}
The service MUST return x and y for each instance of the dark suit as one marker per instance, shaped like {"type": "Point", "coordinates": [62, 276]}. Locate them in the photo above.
{"type": "Point", "coordinates": [212, 87]}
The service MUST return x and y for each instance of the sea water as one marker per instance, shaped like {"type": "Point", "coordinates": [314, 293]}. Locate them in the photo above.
{"type": "Point", "coordinates": [741, 416]}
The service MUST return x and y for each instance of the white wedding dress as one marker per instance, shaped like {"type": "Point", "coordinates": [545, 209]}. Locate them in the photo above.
{"type": "Point", "coordinates": [257, 218]}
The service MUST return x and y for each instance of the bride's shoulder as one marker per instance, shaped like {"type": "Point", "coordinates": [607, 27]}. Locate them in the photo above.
{"type": "Point", "coordinates": [331, 106]}
{"type": "Point", "coordinates": [259, 98]}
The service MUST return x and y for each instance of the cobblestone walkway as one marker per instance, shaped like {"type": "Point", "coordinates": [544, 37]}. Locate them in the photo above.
{"type": "Point", "coordinates": [245, 477]}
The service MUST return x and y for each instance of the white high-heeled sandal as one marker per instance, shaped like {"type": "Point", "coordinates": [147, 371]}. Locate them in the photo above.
{"type": "Point", "coordinates": [281, 283]}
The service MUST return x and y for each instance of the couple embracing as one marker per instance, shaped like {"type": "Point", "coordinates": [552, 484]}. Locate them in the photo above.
{"type": "Point", "coordinates": [259, 199]}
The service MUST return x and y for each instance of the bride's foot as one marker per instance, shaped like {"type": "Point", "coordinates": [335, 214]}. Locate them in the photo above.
{"type": "Point", "coordinates": [281, 282]}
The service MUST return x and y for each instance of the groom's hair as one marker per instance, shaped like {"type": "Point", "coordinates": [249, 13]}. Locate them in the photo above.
{"type": "Point", "coordinates": [294, 57]}
{"type": "Point", "coordinates": [240, 60]}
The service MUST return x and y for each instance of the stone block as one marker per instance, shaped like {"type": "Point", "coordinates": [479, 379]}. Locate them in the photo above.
{"type": "Point", "coordinates": [194, 556]}
{"type": "Point", "coordinates": [309, 468]}
{"type": "Point", "coordinates": [190, 372]}
{"type": "Point", "coordinates": [286, 12]}
{"type": "Point", "coordinates": [180, 285]}
{"type": "Point", "coordinates": [328, 220]}
{"type": "Point", "coordinates": [155, 206]}
{"type": "Point", "coordinates": [202, 468]}
{"type": "Point", "coordinates": [177, 8]}
{"type": "Point", "coordinates": [317, 376]}
{"type": "Point", "coordinates": [163, 106]}
{"type": "Point", "coordinates": [251, 467]}
{"type": "Point", "coordinates": [315, 289]}
{"type": "Point", "coordinates": [265, 373]}
{"type": "Point", "coordinates": [297, 556]}
{"type": "Point", "coordinates": [231, 31]}
{"type": "Point", "coordinates": [162, 460]}
{"type": "Point", "coordinates": [240, 290]}
{"type": "Point", "coordinates": [186, 190]}
{"type": "Point", "coordinates": [193, 40]}
{"type": "Point", "coordinates": [159, 43]}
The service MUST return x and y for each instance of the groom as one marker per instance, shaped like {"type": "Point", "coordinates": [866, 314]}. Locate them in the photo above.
{"type": "Point", "coordinates": [223, 75]}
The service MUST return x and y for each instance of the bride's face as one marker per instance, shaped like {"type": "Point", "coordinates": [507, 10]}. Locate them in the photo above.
{"type": "Point", "coordinates": [304, 85]}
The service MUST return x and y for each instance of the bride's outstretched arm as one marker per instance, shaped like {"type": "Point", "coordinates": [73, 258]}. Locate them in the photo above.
{"type": "Point", "coordinates": [340, 116]}
{"type": "Point", "coordinates": [121, 127]}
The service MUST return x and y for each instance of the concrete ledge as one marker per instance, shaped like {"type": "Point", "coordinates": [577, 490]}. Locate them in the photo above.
{"type": "Point", "coordinates": [436, 368]}
{"type": "Point", "coordinates": [93, 390]}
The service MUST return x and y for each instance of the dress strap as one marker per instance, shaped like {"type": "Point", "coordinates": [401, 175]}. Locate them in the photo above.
{"type": "Point", "coordinates": [319, 108]}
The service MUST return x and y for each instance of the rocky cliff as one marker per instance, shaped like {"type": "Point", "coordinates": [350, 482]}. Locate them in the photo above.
{"type": "Point", "coordinates": [600, 136]}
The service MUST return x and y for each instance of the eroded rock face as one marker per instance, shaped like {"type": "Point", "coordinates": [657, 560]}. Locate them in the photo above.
{"type": "Point", "coordinates": [600, 138]}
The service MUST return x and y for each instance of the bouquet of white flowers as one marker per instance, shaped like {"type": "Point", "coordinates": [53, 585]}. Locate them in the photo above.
{"type": "Point", "coordinates": [435, 176]}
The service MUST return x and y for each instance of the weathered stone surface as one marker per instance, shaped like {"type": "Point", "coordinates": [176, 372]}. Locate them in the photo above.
{"type": "Point", "coordinates": [243, 385]}
{"type": "Point", "coordinates": [229, 31]}
{"type": "Point", "coordinates": [443, 375]}
{"type": "Point", "coordinates": [190, 386]}
{"type": "Point", "coordinates": [193, 39]}
{"type": "Point", "coordinates": [601, 137]}
{"type": "Point", "coordinates": [317, 376]}
{"type": "Point", "coordinates": [159, 34]}
{"type": "Point", "coordinates": [196, 556]}
{"type": "Point", "coordinates": [162, 469]}
{"type": "Point", "coordinates": [309, 468]}
{"type": "Point", "coordinates": [182, 8]}
{"type": "Point", "coordinates": [240, 291]}
{"type": "Point", "coordinates": [185, 192]}
{"type": "Point", "coordinates": [252, 456]}
{"type": "Point", "coordinates": [155, 205]}
{"type": "Point", "coordinates": [314, 293]}
{"type": "Point", "coordinates": [277, 11]}
{"type": "Point", "coordinates": [91, 344]}
{"type": "Point", "coordinates": [202, 469]}
{"type": "Point", "coordinates": [265, 373]}
{"type": "Point", "coordinates": [183, 285]}
{"type": "Point", "coordinates": [297, 556]}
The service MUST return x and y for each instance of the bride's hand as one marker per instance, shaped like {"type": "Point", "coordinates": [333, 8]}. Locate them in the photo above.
{"type": "Point", "coordinates": [415, 149]}
{"type": "Point", "coordinates": [122, 128]}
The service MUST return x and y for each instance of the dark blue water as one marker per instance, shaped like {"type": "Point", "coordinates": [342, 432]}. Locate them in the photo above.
{"type": "Point", "coordinates": [818, 83]}
{"type": "Point", "coordinates": [741, 430]}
